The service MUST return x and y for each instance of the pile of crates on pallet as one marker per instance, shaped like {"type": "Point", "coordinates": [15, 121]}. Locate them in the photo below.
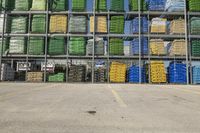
{"type": "Point", "coordinates": [143, 45]}
{"type": "Point", "coordinates": [34, 77]}
{"type": "Point", "coordinates": [100, 25]}
{"type": "Point", "coordinates": [77, 46]}
{"type": "Point", "coordinates": [118, 72]}
{"type": "Point", "coordinates": [56, 46]}
{"type": "Point", "coordinates": [7, 73]}
{"type": "Point", "coordinates": [77, 73]}
{"type": "Point", "coordinates": [194, 5]}
{"type": "Point", "coordinates": [99, 46]}
{"type": "Point", "coordinates": [143, 25]}
{"type": "Point", "coordinates": [117, 24]}
{"type": "Point", "coordinates": [196, 48]}
{"type": "Point", "coordinates": [136, 73]}
{"type": "Point", "coordinates": [116, 46]}
{"type": "Point", "coordinates": [36, 46]}
{"type": "Point", "coordinates": [196, 74]}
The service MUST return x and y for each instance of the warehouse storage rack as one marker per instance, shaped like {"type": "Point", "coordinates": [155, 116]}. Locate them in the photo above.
{"type": "Point", "coordinates": [66, 60]}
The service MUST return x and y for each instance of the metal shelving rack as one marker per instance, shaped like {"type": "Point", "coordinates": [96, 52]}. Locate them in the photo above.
{"type": "Point", "coordinates": [188, 58]}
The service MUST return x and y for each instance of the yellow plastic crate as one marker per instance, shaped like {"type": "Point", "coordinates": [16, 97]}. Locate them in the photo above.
{"type": "Point", "coordinates": [34, 76]}
{"type": "Point", "coordinates": [177, 26]}
{"type": "Point", "coordinates": [159, 25]}
{"type": "Point", "coordinates": [58, 23]}
{"type": "Point", "coordinates": [157, 47]}
{"type": "Point", "coordinates": [118, 72]}
{"type": "Point", "coordinates": [178, 48]}
{"type": "Point", "coordinates": [101, 24]}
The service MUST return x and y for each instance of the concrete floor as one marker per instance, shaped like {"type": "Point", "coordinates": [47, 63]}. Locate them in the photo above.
{"type": "Point", "coordinates": [84, 108]}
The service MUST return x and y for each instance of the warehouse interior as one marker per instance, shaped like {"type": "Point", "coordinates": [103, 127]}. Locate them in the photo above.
{"type": "Point", "coordinates": [100, 41]}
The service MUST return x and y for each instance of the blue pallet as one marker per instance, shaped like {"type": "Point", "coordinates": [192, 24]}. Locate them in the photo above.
{"type": "Point", "coordinates": [156, 5]}
{"type": "Point", "coordinates": [144, 25]}
{"type": "Point", "coordinates": [196, 74]}
{"type": "Point", "coordinates": [133, 74]}
{"type": "Point", "coordinates": [177, 73]}
{"type": "Point", "coordinates": [135, 46]}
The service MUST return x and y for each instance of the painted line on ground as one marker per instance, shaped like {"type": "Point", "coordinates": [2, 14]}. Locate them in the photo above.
{"type": "Point", "coordinates": [118, 98]}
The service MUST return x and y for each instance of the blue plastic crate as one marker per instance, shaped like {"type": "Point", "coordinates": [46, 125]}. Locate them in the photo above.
{"type": "Point", "coordinates": [135, 46]}
{"type": "Point", "coordinates": [196, 74]}
{"type": "Point", "coordinates": [175, 5]}
{"type": "Point", "coordinates": [156, 5]}
{"type": "Point", "coordinates": [133, 74]}
{"type": "Point", "coordinates": [177, 73]}
{"type": "Point", "coordinates": [144, 25]}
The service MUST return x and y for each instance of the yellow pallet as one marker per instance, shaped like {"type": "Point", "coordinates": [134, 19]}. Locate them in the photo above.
{"type": "Point", "coordinates": [157, 47]}
{"type": "Point", "coordinates": [58, 24]}
{"type": "Point", "coordinates": [101, 24]}
{"type": "Point", "coordinates": [177, 26]}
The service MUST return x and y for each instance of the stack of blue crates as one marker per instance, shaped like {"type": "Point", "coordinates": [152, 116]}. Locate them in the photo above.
{"type": "Point", "coordinates": [135, 46]}
{"type": "Point", "coordinates": [133, 74]}
{"type": "Point", "coordinates": [156, 5]}
{"type": "Point", "coordinates": [177, 73]}
{"type": "Point", "coordinates": [144, 25]}
{"type": "Point", "coordinates": [196, 74]}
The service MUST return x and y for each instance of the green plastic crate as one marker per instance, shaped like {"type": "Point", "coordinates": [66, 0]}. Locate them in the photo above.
{"type": "Point", "coordinates": [59, 5]}
{"type": "Point", "coordinates": [101, 5]}
{"type": "Point", "coordinates": [196, 48]}
{"type": "Point", "coordinates": [59, 77]}
{"type": "Point", "coordinates": [77, 46]}
{"type": "Point", "coordinates": [56, 46]}
{"type": "Point", "coordinates": [195, 25]}
{"type": "Point", "coordinates": [39, 5]}
{"type": "Point", "coordinates": [133, 5]}
{"type": "Point", "coordinates": [117, 5]}
{"type": "Point", "coordinates": [117, 24]}
{"type": "Point", "coordinates": [36, 46]}
{"type": "Point", "coordinates": [17, 45]}
{"type": "Point", "coordinates": [38, 24]}
{"type": "Point", "coordinates": [22, 5]}
{"type": "Point", "coordinates": [17, 24]}
{"type": "Point", "coordinates": [79, 5]}
{"type": "Point", "coordinates": [194, 5]}
{"type": "Point", "coordinates": [3, 46]}
{"type": "Point", "coordinates": [116, 46]}
{"type": "Point", "coordinates": [78, 24]}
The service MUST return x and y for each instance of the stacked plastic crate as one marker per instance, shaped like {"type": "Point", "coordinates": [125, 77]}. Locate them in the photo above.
{"type": "Point", "coordinates": [117, 5]}
{"type": "Point", "coordinates": [99, 46]}
{"type": "Point", "coordinates": [77, 73]}
{"type": "Point", "coordinates": [59, 77]}
{"type": "Point", "coordinates": [157, 47]}
{"type": "Point", "coordinates": [177, 26]}
{"type": "Point", "coordinates": [116, 46]}
{"type": "Point", "coordinates": [177, 73]}
{"type": "Point", "coordinates": [100, 25]}
{"type": "Point", "coordinates": [118, 72]}
{"type": "Point", "coordinates": [159, 25]}
{"type": "Point", "coordinates": [7, 73]}
{"type": "Point", "coordinates": [117, 24]}
{"type": "Point", "coordinates": [17, 24]}
{"type": "Point", "coordinates": [59, 5]}
{"type": "Point", "coordinates": [133, 5]}
{"type": "Point", "coordinates": [194, 5]}
{"type": "Point", "coordinates": [196, 48]}
{"type": "Point", "coordinates": [34, 77]}
{"type": "Point", "coordinates": [195, 25]}
{"type": "Point", "coordinates": [175, 5]}
{"type": "Point", "coordinates": [178, 47]}
{"type": "Point", "coordinates": [100, 72]}
{"type": "Point", "coordinates": [144, 25]}
{"type": "Point", "coordinates": [158, 72]}
{"type": "Point", "coordinates": [22, 5]}
{"type": "Point", "coordinates": [38, 5]}
{"type": "Point", "coordinates": [17, 45]}
{"type": "Point", "coordinates": [38, 24]}
{"type": "Point", "coordinates": [135, 46]}
{"type": "Point", "coordinates": [79, 5]}
{"type": "Point", "coordinates": [36, 46]}
{"type": "Point", "coordinates": [3, 46]}
{"type": "Point", "coordinates": [196, 74]}
{"type": "Point", "coordinates": [134, 74]}
{"type": "Point", "coordinates": [78, 24]}
{"type": "Point", "coordinates": [77, 46]}
{"type": "Point", "coordinates": [58, 24]}
{"type": "Point", "coordinates": [156, 5]}
{"type": "Point", "coordinates": [101, 5]}
{"type": "Point", "coordinates": [56, 46]}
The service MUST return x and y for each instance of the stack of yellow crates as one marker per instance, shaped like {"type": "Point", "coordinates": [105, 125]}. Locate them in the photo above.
{"type": "Point", "coordinates": [158, 73]}
{"type": "Point", "coordinates": [157, 47]}
{"type": "Point", "coordinates": [100, 25]}
{"type": "Point", "coordinates": [178, 47]}
{"type": "Point", "coordinates": [118, 72]}
{"type": "Point", "coordinates": [159, 25]}
{"type": "Point", "coordinates": [58, 24]}
{"type": "Point", "coordinates": [34, 77]}
{"type": "Point", "coordinates": [177, 26]}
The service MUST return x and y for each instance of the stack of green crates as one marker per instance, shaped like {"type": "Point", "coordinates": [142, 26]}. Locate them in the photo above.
{"type": "Point", "coordinates": [77, 46]}
{"type": "Point", "coordinates": [117, 24]}
{"type": "Point", "coordinates": [17, 24]}
{"type": "Point", "coordinates": [116, 46]}
{"type": "Point", "coordinates": [101, 5]}
{"type": "Point", "coordinates": [56, 46]}
{"type": "Point", "coordinates": [39, 5]}
{"type": "Point", "coordinates": [117, 5]}
{"type": "Point", "coordinates": [59, 5]}
{"type": "Point", "coordinates": [59, 77]}
{"type": "Point", "coordinates": [36, 46]}
{"type": "Point", "coordinates": [133, 4]}
{"type": "Point", "coordinates": [38, 24]}
{"type": "Point", "coordinates": [22, 5]}
{"type": "Point", "coordinates": [79, 5]}
{"type": "Point", "coordinates": [195, 25]}
{"type": "Point", "coordinates": [194, 5]}
{"type": "Point", "coordinates": [195, 47]}
{"type": "Point", "coordinates": [78, 24]}
{"type": "Point", "coordinates": [3, 47]}
{"type": "Point", "coordinates": [17, 45]}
